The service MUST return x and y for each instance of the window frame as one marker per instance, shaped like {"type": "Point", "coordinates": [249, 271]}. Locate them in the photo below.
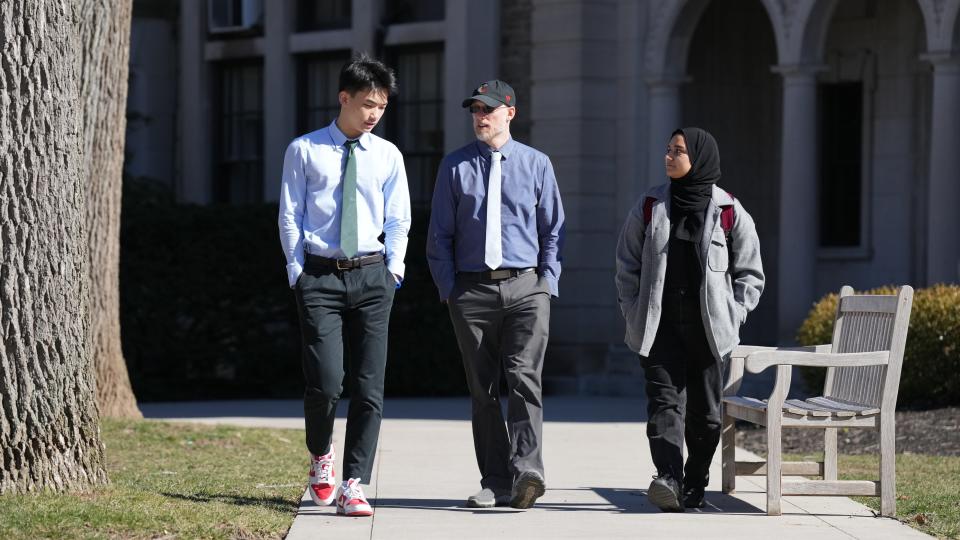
{"type": "Point", "coordinates": [301, 9]}
{"type": "Point", "coordinates": [859, 68]}
{"type": "Point", "coordinates": [221, 187]}
{"type": "Point", "coordinates": [304, 112]}
{"type": "Point", "coordinates": [421, 193]}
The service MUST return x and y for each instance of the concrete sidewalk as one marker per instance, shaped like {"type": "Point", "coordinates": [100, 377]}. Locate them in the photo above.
{"type": "Point", "coordinates": [597, 466]}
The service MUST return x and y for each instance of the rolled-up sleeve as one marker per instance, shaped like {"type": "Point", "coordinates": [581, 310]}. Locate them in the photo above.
{"type": "Point", "coordinates": [550, 228]}
{"type": "Point", "coordinates": [292, 198]}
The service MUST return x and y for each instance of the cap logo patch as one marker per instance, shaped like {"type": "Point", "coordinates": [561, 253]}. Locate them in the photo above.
{"type": "Point", "coordinates": [507, 97]}
{"type": "Point", "coordinates": [482, 89]}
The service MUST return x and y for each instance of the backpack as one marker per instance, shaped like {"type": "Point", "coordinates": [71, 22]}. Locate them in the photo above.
{"type": "Point", "coordinates": [727, 216]}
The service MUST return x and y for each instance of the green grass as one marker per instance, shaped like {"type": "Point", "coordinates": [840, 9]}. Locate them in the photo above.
{"type": "Point", "coordinates": [182, 480]}
{"type": "Point", "coordinates": [928, 488]}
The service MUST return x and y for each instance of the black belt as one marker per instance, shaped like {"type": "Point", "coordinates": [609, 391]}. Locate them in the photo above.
{"type": "Point", "coordinates": [345, 264]}
{"type": "Point", "coordinates": [504, 273]}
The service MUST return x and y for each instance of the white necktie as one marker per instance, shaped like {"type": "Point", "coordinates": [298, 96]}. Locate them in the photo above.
{"type": "Point", "coordinates": [493, 250]}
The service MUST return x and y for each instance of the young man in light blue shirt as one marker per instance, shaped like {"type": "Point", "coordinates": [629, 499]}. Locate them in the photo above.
{"type": "Point", "coordinates": [342, 188]}
{"type": "Point", "coordinates": [496, 231]}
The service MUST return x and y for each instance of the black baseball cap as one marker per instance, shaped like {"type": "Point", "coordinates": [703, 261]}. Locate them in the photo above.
{"type": "Point", "coordinates": [493, 93]}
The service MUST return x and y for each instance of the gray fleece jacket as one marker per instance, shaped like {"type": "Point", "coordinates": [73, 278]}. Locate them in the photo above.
{"type": "Point", "coordinates": [732, 281]}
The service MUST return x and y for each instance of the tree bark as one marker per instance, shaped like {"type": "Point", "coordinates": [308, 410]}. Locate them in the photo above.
{"type": "Point", "coordinates": [106, 59]}
{"type": "Point", "coordinates": [49, 425]}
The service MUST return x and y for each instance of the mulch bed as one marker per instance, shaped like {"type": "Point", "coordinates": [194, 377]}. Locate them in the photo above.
{"type": "Point", "coordinates": [931, 432]}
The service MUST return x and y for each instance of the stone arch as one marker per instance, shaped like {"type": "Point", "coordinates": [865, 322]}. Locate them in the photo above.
{"type": "Point", "coordinates": [815, 31]}
{"type": "Point", "coordinates": [942, 23]}
{"type": "Point", "coordinates": [670, 29]}
{"type": "Point", "coordinates": [800, 29]}
{"type": "Point", "coordinates": [672, 25]}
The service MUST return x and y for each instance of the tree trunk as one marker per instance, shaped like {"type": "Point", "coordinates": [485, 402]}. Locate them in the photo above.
{"type": "Point", "coordinates": [49, 425]}
{"type": "Point", "coordinates": [105, 64]}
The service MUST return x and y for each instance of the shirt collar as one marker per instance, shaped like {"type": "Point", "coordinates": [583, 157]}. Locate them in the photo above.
{"type": "Point", "coordinates": [339, 138]}
{"type": "Point", "coordinates": [505, 150]}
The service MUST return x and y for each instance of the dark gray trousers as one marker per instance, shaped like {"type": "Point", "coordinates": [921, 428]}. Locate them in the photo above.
{"type": "Point", "coordinates": [351, 306]}
{"type": "Point", "coordinates": [684, 387]}
{"type": "Point", "coordinates": [502, 328]}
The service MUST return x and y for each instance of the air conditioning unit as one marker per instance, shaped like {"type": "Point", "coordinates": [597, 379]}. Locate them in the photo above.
{"type": "Point", "coordinates": [231, 16]}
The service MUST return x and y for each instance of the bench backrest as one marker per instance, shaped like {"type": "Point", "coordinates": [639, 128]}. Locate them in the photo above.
{"type": "Point", "coordinates": [866, 323]}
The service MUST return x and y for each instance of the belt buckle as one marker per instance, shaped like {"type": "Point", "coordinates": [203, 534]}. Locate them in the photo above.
{"type": "Point", "coordinates": [499, 274]}
{"type": "Point", "coordinates": [348, 262]}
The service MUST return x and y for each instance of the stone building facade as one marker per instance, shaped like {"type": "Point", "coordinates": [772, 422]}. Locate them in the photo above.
{"type": "Point", "coordinates": [838, 123]}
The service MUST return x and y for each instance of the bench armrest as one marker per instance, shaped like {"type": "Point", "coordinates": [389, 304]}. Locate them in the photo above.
{"type": "Point", "coordinates": [742, 351]}
{"type": "Point", "coordinates": [735, 372]}
{"type": "Point", "coordinates": [761, 360]}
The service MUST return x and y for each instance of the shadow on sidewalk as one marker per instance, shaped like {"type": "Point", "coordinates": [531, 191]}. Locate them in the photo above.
{"type": "Point", "coordinates": [618, 501]}
{"type": "Point", "coordinates": [556, 409]}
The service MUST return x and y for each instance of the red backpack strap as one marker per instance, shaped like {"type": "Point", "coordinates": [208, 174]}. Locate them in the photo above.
{"type": "Point", "coordinates": [648, 209]}
{"type": "Point", "coordinates": [727, 215]}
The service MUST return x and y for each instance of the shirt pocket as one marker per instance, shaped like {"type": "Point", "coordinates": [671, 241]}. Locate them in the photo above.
{"type": "Point", "coordinates": [718, 257]}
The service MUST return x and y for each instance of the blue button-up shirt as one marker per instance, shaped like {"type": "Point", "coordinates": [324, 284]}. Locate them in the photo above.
{"type": "Point", "coordinates": [531, 214]}
{"type": "Point", "coordinates": [311, 195]}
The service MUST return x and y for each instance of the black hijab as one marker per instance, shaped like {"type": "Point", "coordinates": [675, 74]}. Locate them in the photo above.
{"type": "Point", "coordinates": [690, 194]}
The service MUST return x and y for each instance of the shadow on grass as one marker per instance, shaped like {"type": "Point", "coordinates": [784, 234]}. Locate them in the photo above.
{"type": "Point", "coordinates": [278, 504]}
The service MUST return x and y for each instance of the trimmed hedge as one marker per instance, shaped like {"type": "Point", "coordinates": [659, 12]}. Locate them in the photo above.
{"type": "Point", "coordinates": [931, 362]}
{"type": "Point", "coordinates": [206, 312]}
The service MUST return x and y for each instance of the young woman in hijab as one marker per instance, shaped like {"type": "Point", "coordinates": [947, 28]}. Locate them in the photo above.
{"type": "Point", "coordinates": [685, 285]}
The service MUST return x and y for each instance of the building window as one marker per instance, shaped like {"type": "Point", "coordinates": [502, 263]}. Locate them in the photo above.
{"type": "Point", "coordinates": [414, 119]}
{"type": "Point", "coordinates": [227, 19]}
{"type": "Point", "coordinates": [323, 15]}
{"type": "Point", "coordinates": [406, 11]}
{"type": "Point", "coordinates": [319, 80]}
{"type": "Point", "coordinates": [239, 163]}
{"type": "Point", "coordinates": [841, 147]}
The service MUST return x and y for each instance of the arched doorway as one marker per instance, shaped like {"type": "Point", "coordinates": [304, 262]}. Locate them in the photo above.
{"type": "Point", "coordinates": [734, 94]}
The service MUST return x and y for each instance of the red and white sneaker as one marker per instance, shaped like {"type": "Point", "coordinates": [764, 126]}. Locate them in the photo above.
{"type": "Point", "coordinates": [323, 479]}
{"type": "Point", "coordinates": [351, 501]}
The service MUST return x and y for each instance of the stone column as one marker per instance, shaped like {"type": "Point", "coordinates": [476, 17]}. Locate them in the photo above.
{"type": "Point", "coordinates": [798, 199]}
{"type": "Point", "coordinates": [943, 220]}
{"type": "Point", "coordinates": [470, 56]}
{"type": "Point", "coordinates": [664, 117]}
{"type": "Point", "coordinates": [279, 93]}
{"type": "Point", "coordinates": [365, 23]}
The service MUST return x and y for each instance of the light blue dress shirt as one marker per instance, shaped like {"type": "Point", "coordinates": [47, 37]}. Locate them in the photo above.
{"type": "Point", "coordinates": [311, 196]}
{"type": "Point", "coordinates": [531, 214]}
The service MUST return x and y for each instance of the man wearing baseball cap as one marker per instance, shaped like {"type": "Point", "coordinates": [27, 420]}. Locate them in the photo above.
{"type": "Point", "coordinates": [496, 231]}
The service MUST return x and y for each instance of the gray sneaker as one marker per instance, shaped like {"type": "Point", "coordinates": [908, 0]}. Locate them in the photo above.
{"type": "Point", "coordinates": [488, 498]}
{"type": "Point", "coordinates": [528, 487]}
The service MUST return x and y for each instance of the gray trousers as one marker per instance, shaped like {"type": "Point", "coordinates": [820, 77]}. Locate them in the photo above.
{"type": "Point", "coordinates": [502, 328]}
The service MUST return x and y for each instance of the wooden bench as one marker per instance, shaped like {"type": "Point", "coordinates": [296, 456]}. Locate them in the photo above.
{"type": "Point", "coordinates": [863, 376]}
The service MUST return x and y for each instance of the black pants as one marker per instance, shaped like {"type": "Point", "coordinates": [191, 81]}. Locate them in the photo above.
{"type": "Point", "coordinates": [337, 306]}
{"type": "Point", "coordinates": [684, 388]}
{"type": "Point", "coordinates": [502, 328]}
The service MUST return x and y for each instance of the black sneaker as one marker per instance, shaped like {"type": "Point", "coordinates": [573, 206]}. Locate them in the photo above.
{"type": "Point", "coordinates": [664, 492]}
{"type": "Point", "coordinates": [693, 497]}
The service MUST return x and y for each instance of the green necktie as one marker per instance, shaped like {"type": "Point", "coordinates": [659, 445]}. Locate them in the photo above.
{"type": "Point", "coordinates": [348, 213]}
